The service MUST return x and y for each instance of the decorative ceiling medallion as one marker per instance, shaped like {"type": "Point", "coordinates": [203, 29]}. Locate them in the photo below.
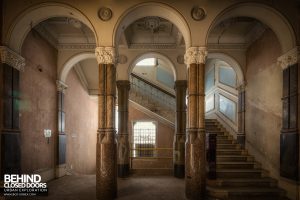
{"type": "Point", "coordinates": [198, 13]}
{"type": "Point", "coordinates": [105, 14]}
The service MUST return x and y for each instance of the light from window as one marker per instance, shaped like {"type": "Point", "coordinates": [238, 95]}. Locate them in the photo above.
{"type": "Point", "coordinates": [144, 139]}
{"type": "Point", "coordinates": [147, 62]}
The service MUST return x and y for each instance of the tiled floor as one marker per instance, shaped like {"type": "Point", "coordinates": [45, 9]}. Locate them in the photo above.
{"type": "Point", "coordinates": [82, 187]}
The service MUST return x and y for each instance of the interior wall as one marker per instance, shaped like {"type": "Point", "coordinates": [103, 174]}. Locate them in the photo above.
{"type": "Point", "coordinates": [164, 139]}
{"type": "Point", "coordinates": [263, 118]}
{"type": "Point", "coordinates": [38, 106]}
{"type": "Point", "coordinates": [81, 127]}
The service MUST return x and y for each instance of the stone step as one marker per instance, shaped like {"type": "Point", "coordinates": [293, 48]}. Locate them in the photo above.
{"type": "Point", "coordinates": [230, 152]}
{"type": "Point", "coordinates": [243, 182]}
{"type": "Point", "coordinates": [233, 158]}
{"type": "Point", "coordinates": [225, 141]}
{"type": "Point", "coordinates": [228, 146]}
{"type": "Point", "coordinates": [235, 165]}
{"type": "Point", "coordinates": [152, 171]}
{"type": "Point", "coordinates": [238, 173]}
{"type": "Point", "coordinates": [245, 193]}
{"type": "Point", "coordinates": [223, 137]}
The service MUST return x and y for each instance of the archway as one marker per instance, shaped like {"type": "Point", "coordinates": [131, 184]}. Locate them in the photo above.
{"type": "Point", "coordinates": [36, 14]}
{"type": "Point", "coordinates": [267, 15]}
{"type": "Point", "coordinates": [152, 9]}
{"type": "Point", "coordinates": [69, 64]}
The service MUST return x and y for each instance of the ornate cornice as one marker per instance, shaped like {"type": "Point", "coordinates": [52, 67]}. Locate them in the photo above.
{"type": "Point", "coordinates": [11, 58]}
{"type": "Point", "coordinates": [105, 55]}
{"type": "Point", "coordinates": [196, 55]}
{"type": "Point", "coordinates": [290, 58]}
{"type": "Point", "coordinates": [61, 86]}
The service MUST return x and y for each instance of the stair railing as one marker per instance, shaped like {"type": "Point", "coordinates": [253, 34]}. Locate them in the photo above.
{"type": "Point", "coordinates": [152, 91]}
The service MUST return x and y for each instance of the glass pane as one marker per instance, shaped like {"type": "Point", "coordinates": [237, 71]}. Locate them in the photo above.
{"type": "Point", "coordinates": [210, 103]}
{"type": "Point", "coordinates": [164, 77]}
{"type": "Point", "coordinates": [147, 62]}
{"type": "Point", "coordinates": [227, 76]}
{"type": "Point", "coordinates": [227, 107]}
{"type": "Point", "coordinates": [209, 80]}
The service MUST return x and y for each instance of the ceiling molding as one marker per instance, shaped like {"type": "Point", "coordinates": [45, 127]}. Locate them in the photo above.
{"type": "Point", "coordinates": [239, 47]}
{"type": "Point", "coordinates": [153, 46]}
{"type": "Point", "coordinates": [75, 46]}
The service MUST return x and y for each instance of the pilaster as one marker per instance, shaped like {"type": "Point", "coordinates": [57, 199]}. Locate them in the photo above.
{"type": "Point", "coordinates": [180, 129]}
{"type": "Point", "coordinates": [61, 144]}
{"type": "Point", "coordinates": [241, 137]}
{"type": "Point", "coordinates": [123, 139]}
{"type": "Point", "coordinates": [10, 66]}
{"type": "Point", "coordinates": [289, 137]}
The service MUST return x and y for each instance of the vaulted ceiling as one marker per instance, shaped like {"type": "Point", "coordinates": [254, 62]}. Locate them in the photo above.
{"type": "Point", "coordinates": [145, 33]}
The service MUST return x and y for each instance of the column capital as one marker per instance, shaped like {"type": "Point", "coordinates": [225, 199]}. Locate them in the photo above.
{"type": "Point", "coordinates": [289, 58]}
{"type": "Point", "coordinates": [196, 55]}
{"type": "Point", "coordinates": [180, 83]}
{"type": "Point", "coordinates": [11, 58]}
{"type": "Point", "coordinates": [61, 86]}
{"type": "Point", "coordinates": [241, 87]}
{"type": "Point", "coordinates": [123, 84]}
{"type": "Point", "coordinates": [105, 55]}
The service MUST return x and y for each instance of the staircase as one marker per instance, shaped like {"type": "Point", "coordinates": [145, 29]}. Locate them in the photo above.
{"type": "Point", "coordinates": [239, 176]}
{"type": "Point", "coordinates": [152, 97]}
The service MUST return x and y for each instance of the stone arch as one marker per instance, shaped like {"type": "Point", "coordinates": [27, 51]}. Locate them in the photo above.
{"type": "Point", "coordinates": [71, 62]}
{"type": "Point", "coordinates": [155, 55]}
{"type": "Point", "coordinates": [265, 14]}
{"type": "Point", "coordinates": [152, 9]}
{"type": "Point", "coordinates": [232, 62]}
{"type": "Point", "coordinates": [36, 14]}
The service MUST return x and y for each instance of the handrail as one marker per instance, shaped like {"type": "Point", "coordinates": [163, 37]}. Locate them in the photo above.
{"type": "Point", "coordinates": [152, 85]}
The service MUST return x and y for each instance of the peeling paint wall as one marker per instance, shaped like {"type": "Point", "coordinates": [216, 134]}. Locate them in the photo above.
{"type": "Point", "coordinates": [38, 106]}
{"type": "Point", "coordinates": [81, 127]}
{"type": "Point", "coordinates": [264, 106]}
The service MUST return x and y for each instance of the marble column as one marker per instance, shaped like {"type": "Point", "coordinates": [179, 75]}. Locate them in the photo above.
{"type": "Point", "coordinates": [289, 137]}
{"type": "Point", "coordinates": [195, 162]}
{"type": "Point", "coordinates": [106, 156]}
{"type": "Point", "coordinates": [241, 115]}
{"type": "Point", "coordinates": [61, 140]}
{"type": "Point", "coordinates": [10, 66]}
{"type": "Point", "coordinates": [180, 129]}
{"type": "Point", "coordinates": [123, 139]}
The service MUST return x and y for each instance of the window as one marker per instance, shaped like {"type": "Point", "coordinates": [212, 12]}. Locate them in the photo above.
{"type": "Point", "coordinates": [147, 62]}
{"type": "Point", "coordinates": [227, 107]}
{"type": "Point", "coordinates": [227, 76]}
{"type": "Point", "coordinates": [210, 80]}
{"type": "Point", "coordinates": [144, 139]}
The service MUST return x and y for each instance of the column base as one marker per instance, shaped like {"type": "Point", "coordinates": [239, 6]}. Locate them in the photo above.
{"type": "Point", "coordinates": [179, 171]}
{"type": "Point", "coordinates": [241, 139]}
{"type": "Point", "coordinates": [123, 170]}
{"type": "Point", "coordinates": [106, 165]}
{"type": "Point", "coordinates": [195, 165]}
{"type": "Point", "coordinates": [60, 170]}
